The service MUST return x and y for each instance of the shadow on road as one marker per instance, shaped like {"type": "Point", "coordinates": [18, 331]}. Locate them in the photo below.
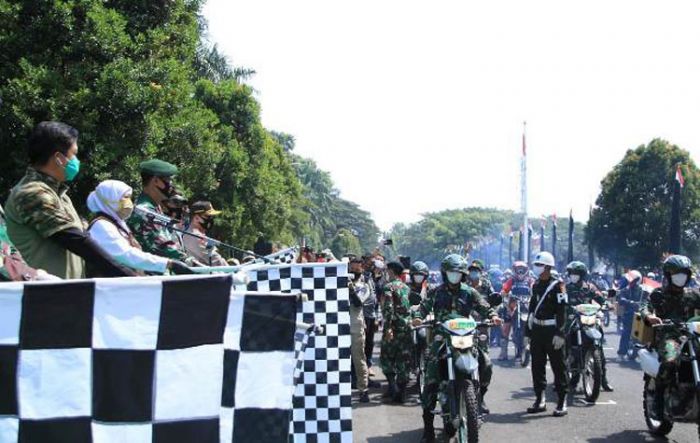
{"type": "Point", "coordinates": [630, 436]}
{"type": "Point", "coordinates": [402, 436]}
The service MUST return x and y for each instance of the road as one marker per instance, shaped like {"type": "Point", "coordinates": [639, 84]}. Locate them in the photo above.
{"type": "Point", "coordinates": [617, 417]}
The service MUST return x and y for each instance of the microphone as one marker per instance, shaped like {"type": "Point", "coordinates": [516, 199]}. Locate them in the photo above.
{"type": "Point", "coordinates": [154, 216]}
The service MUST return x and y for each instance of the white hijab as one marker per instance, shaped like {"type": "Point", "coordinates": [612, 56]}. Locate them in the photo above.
{"type": "Point", "coordinates": [105, 198]}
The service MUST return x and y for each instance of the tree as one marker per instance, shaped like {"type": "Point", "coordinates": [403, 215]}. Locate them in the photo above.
{"type": "Point", "coordinates": [630, 224]}
{"type": "Point", "coordinates": [345, 242]}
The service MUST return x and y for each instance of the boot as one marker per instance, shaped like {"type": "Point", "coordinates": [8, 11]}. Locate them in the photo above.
{"type": "Point", "coordinates": [483, 409]}
{"type": "Point", "coordinates": [561, 410]}
{"type": "Point", "coordinates": [428, 429]}
{"type": "Point", "coordinates": [540, 405]}
{"type": "Point", "coordinates": [504, 351]}
{"type": "Point", "coordinates": [400, 393]}
{"type": "Point", "coordinates": [607, 387]}
{"type": "Point", "coordinates": [391, 388]}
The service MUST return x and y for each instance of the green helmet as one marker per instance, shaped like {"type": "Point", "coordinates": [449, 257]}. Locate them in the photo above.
{"type": "Point", "coordinates": [477, 264]}
{"type": "Point", "coordinates": [577, 268]}
{"type": "Point", "coordinates": [454, 262]}
{"type": "Point", "coordinates": [419, 267]}
{"type": "Point", "coordinates": [675, 264]}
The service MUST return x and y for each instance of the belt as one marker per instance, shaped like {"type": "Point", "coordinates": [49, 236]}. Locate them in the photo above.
{"type": "Point", "coordinates": [549, 322]}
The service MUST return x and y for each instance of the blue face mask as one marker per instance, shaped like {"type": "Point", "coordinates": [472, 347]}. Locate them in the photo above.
{"type": "Point", "coordinates": [72, 168]}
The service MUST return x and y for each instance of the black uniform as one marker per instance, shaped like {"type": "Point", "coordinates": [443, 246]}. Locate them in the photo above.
{"type": "Point", "coordinates": [553, 311]}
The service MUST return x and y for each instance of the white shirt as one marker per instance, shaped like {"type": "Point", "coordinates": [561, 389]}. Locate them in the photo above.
{"type": "Point", "coordinates": [113, 241]}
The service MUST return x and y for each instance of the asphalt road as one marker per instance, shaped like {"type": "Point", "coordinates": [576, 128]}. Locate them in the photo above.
{"type": "Point", "coordinates": [617, 417]}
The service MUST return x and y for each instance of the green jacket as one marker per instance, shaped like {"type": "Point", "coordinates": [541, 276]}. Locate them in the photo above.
{"type": "Point", "coordinates": [671, 306]}
{"type": "Point", "coordinates": [445, 303]}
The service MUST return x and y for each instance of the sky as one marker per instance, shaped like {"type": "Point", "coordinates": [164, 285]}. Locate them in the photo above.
{"type": "Point", "coordinates": [416, 107]}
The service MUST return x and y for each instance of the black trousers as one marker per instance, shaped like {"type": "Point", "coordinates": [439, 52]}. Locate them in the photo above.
{"type": "Point", "coordinates": [541, 349]}
{"type": "Point", "coordinates": [370, 330]}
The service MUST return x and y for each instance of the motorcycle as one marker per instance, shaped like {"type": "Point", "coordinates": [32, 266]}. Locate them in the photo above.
{"type": "Point", "coordinates": [519, 321]}
{"type": "Point", "coordinates": [458, 370]}
{"type": "Point", "coordinates": [585, 351]}
{"type": "Point", "coordinates": [681, 397]}
{"type": "Point", "coordinates": [421, 339]}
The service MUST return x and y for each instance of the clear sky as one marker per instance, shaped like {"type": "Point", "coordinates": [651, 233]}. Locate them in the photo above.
{"type": "Point", "coordinates": [416, 107]}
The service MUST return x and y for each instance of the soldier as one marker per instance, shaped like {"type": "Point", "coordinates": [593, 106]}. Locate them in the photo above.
{"type": "Point", "coordinates": [580, 291]}
{"type": "Point", "coordinates": [451, 299]}
{"type": "Point", "coordinates": [545, 330]}
{"type": "Point", "coordinates": [673, 301]}
{"type": "Point", "coordinates": [396, 340]}
{"type": "Point", "coordinates": [419, 282]}
{"type": "Point", "coordinates": [156, 178]}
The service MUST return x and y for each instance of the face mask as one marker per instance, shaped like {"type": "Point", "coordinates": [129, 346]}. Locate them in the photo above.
{"type": "Point", "coordinates": [418, 278]}
{"type": "Point", "coordinates": [538, 270]}
{"type": "Point", "coordinates": [679, 280]}
{"type": "Point", "coordinates": [454, 277]}
{"type": "Point", "coordinates": [166, 190]}
{"type": "Point", "coordinates": [72, 167]}
{"type": "Point", "coordinates": [574, 278]}
{"type": "Point", "coordinates": [474, 275]}
{"type": "Point", "coordinates": [207, 223]}
{"type": "Point", "coordinates": [125, 209]}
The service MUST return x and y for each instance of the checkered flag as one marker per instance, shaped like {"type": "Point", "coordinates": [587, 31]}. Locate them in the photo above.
{"type": "Point", "coordinates": [285, 256]}
{"type": "Point", "coordinates": [107, 360]}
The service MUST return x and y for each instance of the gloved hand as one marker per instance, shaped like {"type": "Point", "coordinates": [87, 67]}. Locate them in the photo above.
{"type": "Point", "coordinates": [526, 342]}
{"type": "Point", "coordinates": [558, 342]}
{"type": "Point", "coordinates": [178, 267]}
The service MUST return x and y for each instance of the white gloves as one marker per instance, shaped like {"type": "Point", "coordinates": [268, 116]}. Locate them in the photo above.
{"type": "Point", "coordinates": [558, 342]}
{"type": "Point", "coordinates": [526, 342]}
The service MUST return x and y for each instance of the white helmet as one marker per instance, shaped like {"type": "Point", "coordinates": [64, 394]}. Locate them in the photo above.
{"type": "Point", "coordinates": [544, 258]}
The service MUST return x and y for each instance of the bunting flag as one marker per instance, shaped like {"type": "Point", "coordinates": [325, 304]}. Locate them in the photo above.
{"type": "Point", "coordinates": [675, 228]}
{"type": "Point", "coordinates": [679, 177]}
{"type": "Point", "coordinates": [570, 252]}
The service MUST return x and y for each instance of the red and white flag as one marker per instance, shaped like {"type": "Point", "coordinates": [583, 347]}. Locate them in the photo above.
{"type": "Point", "coordinates": [679, 176]}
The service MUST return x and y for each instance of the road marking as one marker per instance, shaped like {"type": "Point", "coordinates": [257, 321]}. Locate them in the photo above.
{"type": "Point", "coordinates": [609, 402]}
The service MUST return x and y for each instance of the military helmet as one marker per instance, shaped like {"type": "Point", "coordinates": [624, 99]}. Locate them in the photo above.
{"type": "Point", "coordinates": [675, 264]}
{"type": "Point", "coordinates": [454, 262]}
{"type": "Point", "coordinates": [577, 268]}
{"type": "Point", "coordinates": [477, 264]}
{"type": "Point", "coordinates": [418, 267]}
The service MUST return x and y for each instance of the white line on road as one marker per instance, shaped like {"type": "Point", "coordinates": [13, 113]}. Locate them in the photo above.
{"type": "Point", "coordinates": [609, 402]}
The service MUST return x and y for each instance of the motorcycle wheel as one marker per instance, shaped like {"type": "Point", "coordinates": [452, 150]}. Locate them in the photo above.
{"type": "Point", "coordinates": [656, 427]}
{"type": "Point", "coordinates": [468, 431]}
{"type": "Point", "coordinates": [592, 375]}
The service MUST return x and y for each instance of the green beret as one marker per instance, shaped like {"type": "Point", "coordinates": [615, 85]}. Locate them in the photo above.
{"type": "Point", "coordinates": [158, 168]}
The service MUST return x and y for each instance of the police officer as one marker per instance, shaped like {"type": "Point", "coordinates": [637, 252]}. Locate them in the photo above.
{"type": "Point", "coordinates": [673, 301]}
{"type": "Point", "coordinates": [545, 331]}
{"type": "Point", "coordinates": [452, 298]}
{"type": "Point", "coordinates": [581, 291]}
{"type": "Point", "coordinates": [396, 341]}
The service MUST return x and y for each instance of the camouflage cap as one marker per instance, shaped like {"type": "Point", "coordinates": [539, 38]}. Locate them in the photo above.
{"type": "Point", "coordinates": [158, 168]}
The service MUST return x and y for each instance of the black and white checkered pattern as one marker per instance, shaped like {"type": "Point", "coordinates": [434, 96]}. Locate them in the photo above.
{"type": "Point", "coordinates": [285, 256]}
{"type": "Point", "coordinates": [259, 363]}
{"type": "Point", "coordinates": [113, 360]}
{"type": "Point", "coordinates": [322, 401]}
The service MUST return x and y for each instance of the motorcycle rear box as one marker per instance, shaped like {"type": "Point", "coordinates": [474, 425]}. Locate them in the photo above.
{"type": "Point", "coordinates": [642, 332]}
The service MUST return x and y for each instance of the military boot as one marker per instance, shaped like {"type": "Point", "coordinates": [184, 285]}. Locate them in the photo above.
{"type": "Point", "coordinates": [540, 405]}
{"type": "Point", "coordinates": [391, 388]}
{"type": "Point", "coordinates": [428, 429]}
{"type": "Point", "coordinates": [561, 410]}
{"type": "Point", "coordinates": [607, 387]}
{"type": "Point", "coordinates": [483, 409]}
{"type": "Point", "coordinates": [400, 393]}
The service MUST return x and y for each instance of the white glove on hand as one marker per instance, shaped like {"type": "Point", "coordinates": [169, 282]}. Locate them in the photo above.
{"type": "Point", "coordinates": [526, 342]}
{"type": "Point", "coordinates": [558, 342]}
{"type": "Point", "coordinates": [42, 275]}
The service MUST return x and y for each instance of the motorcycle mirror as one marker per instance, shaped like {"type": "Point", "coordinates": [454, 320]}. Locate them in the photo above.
{"type": "Point", "coordinates": [495, 299]}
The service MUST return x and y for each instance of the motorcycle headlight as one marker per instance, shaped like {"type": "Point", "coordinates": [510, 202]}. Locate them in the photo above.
{"type": "Point", "coordinates": [588, 320]}
{"type": "Point", "coordinates": [462, 342]}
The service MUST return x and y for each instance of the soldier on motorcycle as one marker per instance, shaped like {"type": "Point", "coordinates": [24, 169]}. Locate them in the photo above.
{"type": "Point", "coordinates": [450, 300]}
{"type": "Point", "coordinates": [581, 291]}
{"type": "Point", "coordinates": [673, 301]}
{"type": "Point", "coordinates": [418, 282]}
{"type": "Point", "coordinates": [517, 288]}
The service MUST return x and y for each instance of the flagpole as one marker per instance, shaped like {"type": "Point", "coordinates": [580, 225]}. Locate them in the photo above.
{"type": "Point", "coordinates": [523, 198]}
{"type": "Point", "coordinates": [675, 230]}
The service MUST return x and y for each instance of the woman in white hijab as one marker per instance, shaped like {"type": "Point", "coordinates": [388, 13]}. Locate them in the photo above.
{"type": "Point", "coordinates": [111, 202]}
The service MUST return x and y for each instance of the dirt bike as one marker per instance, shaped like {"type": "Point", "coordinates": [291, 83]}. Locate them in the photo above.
{"type": "Point", "coordinates": [422, 337]}
{"type": "Point", "coordinates": [584, 360]}
{"type": "Point", "coordinates": [519, 320]}
{"type": "Point", "coordinates": [458, 370]}
{"type": "Point", "coordinates": [681, 396]}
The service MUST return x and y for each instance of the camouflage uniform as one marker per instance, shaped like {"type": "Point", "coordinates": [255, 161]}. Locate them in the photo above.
{"type": "Point", "coordinates": [154, 238]}
{"type": "Point", "coordinates": [485, 289]}
{"type": "Point", "coordinates": [444, 305]}
{"type": "Point", "coordinates": [395, 354]}
{"type": "Point", "coordinates": [582, 293]}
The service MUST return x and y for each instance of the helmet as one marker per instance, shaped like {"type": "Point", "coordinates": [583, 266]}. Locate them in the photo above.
{"type": "Point", "coordinates": [454, 262]}
{"type": "Point", "coordinates": [419, 267]}
{"type": "Point", "coordinates": [634, 275]}
{"type": "Point", "coordinates": [676, 264]}
{"type": "Point", "coordinates": [651, 275]}
{"type": "Point", "coordinates": [544, 258]}
{"type": "Point", "coordinates": [577, 268]}
{"type": "Point", "coordinates": [507, 273]}
{"type": "Point", "coordinates": [477, 264]}
{"type": "Point", "coordinates": [519, 264]}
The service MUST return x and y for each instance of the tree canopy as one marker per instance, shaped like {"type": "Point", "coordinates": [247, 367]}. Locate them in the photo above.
{"type": "Point", "coordinates": [139, 80]}
{"type": "Point", "coordinates": [631, 221]}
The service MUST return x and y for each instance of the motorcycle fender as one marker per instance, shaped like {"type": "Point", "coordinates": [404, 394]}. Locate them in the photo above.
{"type": "Point", "coordinates": [593, 334]}
{"type": "Point", "coordinates": [467, 363]}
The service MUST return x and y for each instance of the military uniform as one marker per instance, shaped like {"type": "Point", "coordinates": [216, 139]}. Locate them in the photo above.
{"type": "Point", "coordinates": [545, 323]}
{"type": "Point", "coordinates": [484, 287]}
{"type": "Point", "coordinates": [395, 356]}
{"type": "Point", "coordinates": [445, 304]}
{"type": "Point", "coordinates": [153, 237]}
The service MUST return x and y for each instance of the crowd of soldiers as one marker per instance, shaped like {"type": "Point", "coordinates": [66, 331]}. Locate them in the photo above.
{"type": "Point", "coordinates": [407, 301]}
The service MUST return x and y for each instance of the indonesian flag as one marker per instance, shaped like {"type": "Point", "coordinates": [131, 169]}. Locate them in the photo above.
{"type": "Point", "coordinates": [679, 176]}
